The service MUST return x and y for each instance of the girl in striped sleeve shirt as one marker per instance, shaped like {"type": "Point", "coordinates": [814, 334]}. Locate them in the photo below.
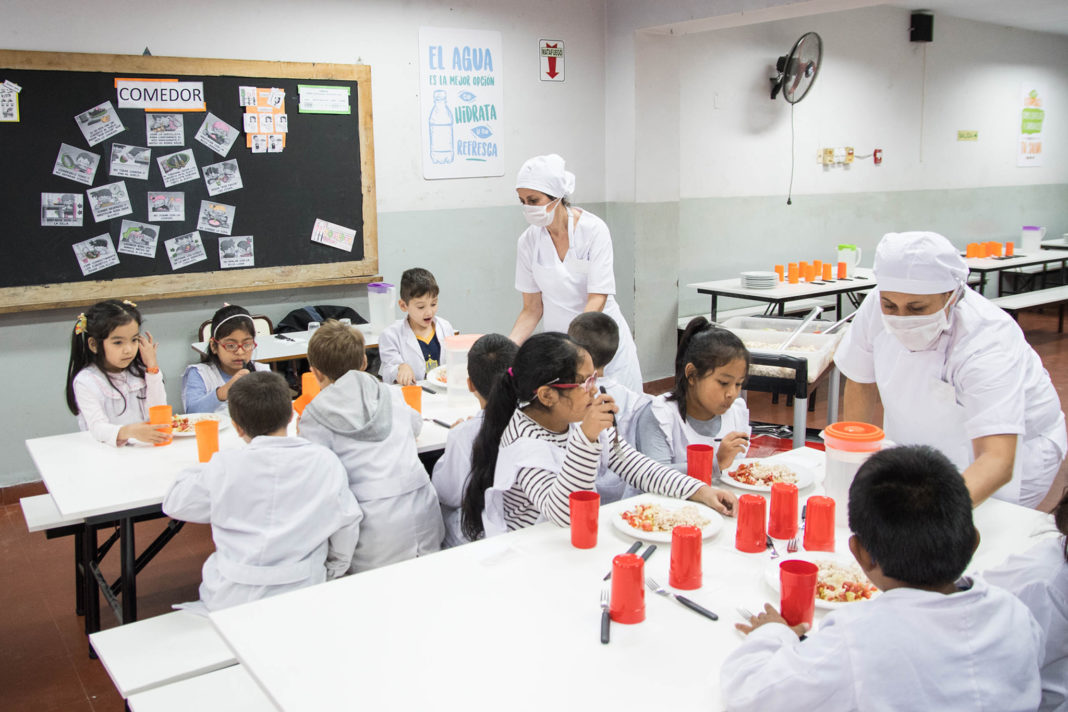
{"type": "Point", "coordinates": [546, 433]}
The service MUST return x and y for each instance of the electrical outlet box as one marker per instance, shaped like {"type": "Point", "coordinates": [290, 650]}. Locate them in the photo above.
{"type": "Point", "coordinates": [828, 156]}
{"type": "Point", "coordinates": [848, 154]}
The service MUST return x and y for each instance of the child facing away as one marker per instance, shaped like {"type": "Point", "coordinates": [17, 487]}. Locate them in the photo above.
{"type": "Point", "coordinates": [705, 406]}
{"type": "Point", "coordinates": [281, 513]}
{"type": "Point", "coordinates": [930, 641]}
{"type": "Point", "coordinates": [411, 347]}
{"type": "Point", "coordinates": [1039, 578]}
{"type": "Point", "coordinates": [598, 333]}
{"type": "Point", "coordinates": [547, 432]}
{"type": "Point", "coordinates": [206, 385]}
{"type": "Point", "coordinates": [113, 376]}
{"type": "Point", "coordinates": [487, 360]}
{"type": "Point", "coordinates": [372, 430]}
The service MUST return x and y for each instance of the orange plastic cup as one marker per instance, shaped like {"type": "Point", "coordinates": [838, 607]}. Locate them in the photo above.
{"type": "Point", "coordinates": [818, 266]}
{"type": "Point", "coordinates": [984, 250]}
{"type": "Point", "coordinates": [163, 416]}
{"type": "Point", "coordinates": [309, 388]}
{"type": "Point", "coordinates": [802, 270]}
{"type": "Point", "coordinates": [413, 396]}
{"type": "Point", "coordinates": [1010, 249]}
{"type": "Point", "coordinates": [207, 431]}
{"type": "Point", "coordinates": [994, 248]}
{"type": "Point", "coordinates": [780, 270]}
{"type": "Point", "coordinates": [972, 250]}
{"type": "Point", "coordinates": [827, 272]}
{"type": "Point", "coordinates": [792, 273]}
{"type": "Point", "coordinates": [842, 270]}
{"type": "Point", "coordinates": [810, 273]}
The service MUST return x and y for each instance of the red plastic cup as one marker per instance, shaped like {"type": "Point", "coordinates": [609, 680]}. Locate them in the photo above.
{"type": "Point", "coordinates": [781, 271]}
{"type": "Point", "coordinates": [685, 572]}
{"type": "Point", "coordinates": [584, 507]}
{"type": "Point", "coordinates": [207, 432]}
{"type": "Point", "coordinates": [782, 522]}
{"type": "Point", "coordinates": [842, 270]}
{"type": "Point", "coordinates": [699, 462]}
{"type": "Point", "coordinates": [819, 524]}
{"type": "Point", "coordinates": [628, 589]}
{"type": "Point", "coordinates": [1010, 248]}
{"type": "Point", "coordinates": [751, 536]}
{"type": "Point", "coordinates": [797, 585]}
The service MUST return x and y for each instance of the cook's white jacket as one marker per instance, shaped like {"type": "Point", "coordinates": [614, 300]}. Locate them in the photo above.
{"type": "Point", "coordinates": [397, 344]}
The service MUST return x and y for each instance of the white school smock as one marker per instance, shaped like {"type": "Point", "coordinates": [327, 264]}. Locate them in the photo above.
{"type": "Point", "coordinates": [104, 409]}
{"type": "Point", "coordinates": [1039, 578]}
{"type": "Point", "coordinates": [565, 286]}
{"type": "Point", "coordinates": [981, 378]}
{"type": "Point", "coordinates": [398, 344]}
{"type": "Point", "coordinates": [629, 402]}
{"type": "Point", "coordinates": [679, 433]}
{"type": "Point", "coordinates": [451, 472]}
{"type": "Point", "coordinates": [281, 513]}
{"type": "Point", "coordinates": [906, 649]}
{"type": "Point", "coordinates": [200, 381]}
{"type": "Point", "coordinates": [402, 518]}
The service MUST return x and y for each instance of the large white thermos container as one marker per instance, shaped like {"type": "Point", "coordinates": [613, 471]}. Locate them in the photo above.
{"type": "Point", "coordinates": [381, 296]}
{"type": "Point", "coordinates": [847, 445]}
{"type": "Point", "coordinates": [1031, 239]}
{"type": "Point", "coordinates": [456, 348]}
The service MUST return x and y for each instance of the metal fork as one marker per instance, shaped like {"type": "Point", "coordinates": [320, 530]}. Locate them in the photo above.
{"type": "Point", "coordinates": [606, 617]}
{"type": "Point", "coordinates": [794, 544]}
{"type": "Point", "coordinates": [771, 548]}
{"type": "Point", "coordinates": [657, 588]}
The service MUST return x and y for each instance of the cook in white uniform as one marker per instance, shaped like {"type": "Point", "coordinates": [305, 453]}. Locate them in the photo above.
{"type": "Point", "coordinates": [952, 371]}
{"type": "Point", "coordinates": [564, 263]}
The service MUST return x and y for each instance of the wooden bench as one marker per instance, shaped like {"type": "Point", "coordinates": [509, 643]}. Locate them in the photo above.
{"type": "Point", "coordinates": [231, 689]}
{"type": "Point", "coordinates": [1015, 303]}
{"type": "Point", "coordinates": [159, 651]}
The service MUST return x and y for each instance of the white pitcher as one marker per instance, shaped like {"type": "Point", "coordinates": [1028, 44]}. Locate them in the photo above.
{"type": "Point", "coordinates": [850, 254]}
{"type": "Point", "coordinates": [1031, 238]}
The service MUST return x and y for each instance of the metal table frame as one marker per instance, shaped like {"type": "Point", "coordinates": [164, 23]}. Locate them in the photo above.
{"type": "Point", "coordinates": [779, 296]}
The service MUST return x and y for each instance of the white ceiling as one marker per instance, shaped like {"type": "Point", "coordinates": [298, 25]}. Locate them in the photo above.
{"type": "Point", "coordinates": [1038, 15]}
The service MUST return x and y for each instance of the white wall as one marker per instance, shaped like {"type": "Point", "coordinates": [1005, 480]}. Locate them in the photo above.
{"type": "Point", "coordinates": [463, 230]}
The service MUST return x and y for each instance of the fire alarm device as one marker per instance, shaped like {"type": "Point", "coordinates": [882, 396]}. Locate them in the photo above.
{"type": "Point", "coordinates": [878, 156]}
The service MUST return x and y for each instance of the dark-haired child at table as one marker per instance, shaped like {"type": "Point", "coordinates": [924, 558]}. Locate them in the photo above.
{"type": "Point", "coordinates": [488, 358]}
{"type": "Point", "coordinates": [372, 430]}
{"type": "Point", "coordinates": [414, 346]}
{"type": "Point", "coordinates": [598, 333]}
{"type": "Point", "coordinates": [706, 406]}
{"type": "Point", "coordinates": [113, 376]}
{"type": "Point", "coordinates": [1039, 578]}
{"type": "Point", "coordinates": [547, 432]}
{"type": "Point", "coordinates": [931, 641]}
{"type": "Point", "coordinates": [281, 513]}
{"type": "Point", "coordinates": [205, 385]}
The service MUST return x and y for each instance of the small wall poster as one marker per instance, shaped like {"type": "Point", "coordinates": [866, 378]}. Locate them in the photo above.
{"type": "Point", "coordinates": [327, 233]}
{"type": "Point", "coordinates": [166, 207]}
{"type": "Point", "coordinates": [109, 201]}
{"type": "Point", "coordinates": [216, 134]}
{"type": "Point", "coordinates": [179, 167]}
{"type": "Point", "coordinates": [165, 129]}
{"type": "Point", "coordinates": [222, 177]}
{"type": "Point", "coordinates": [76, 164]}
{"type": "Point", "coordinates": [130, 161]}
{"type": "Point", "coordinates": [461, 102]}
{"type": "Point", "coordinates": [1032, 120]}
{"type": "Point", "coordinates": [95, 254]}
{"type": "Point", "coordinates": [185, 250]}
{"type": "Point", "coordinates": [216, 217]}
{"type": "Point", "coordinates": [99, 123]}
{"type": "Point", "coordinates": [61, 210]}
{"type": "Point", "coordinates": [137, 238]}
{"type": "Point", "coordinates": [236, 252]}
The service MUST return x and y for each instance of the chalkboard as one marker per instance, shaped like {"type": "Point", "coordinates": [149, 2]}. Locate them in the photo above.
{"type": "Point", "coordinates": [325, 171]}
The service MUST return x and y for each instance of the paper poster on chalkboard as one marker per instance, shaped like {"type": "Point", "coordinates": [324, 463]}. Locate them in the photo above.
{"type": "Point", "coordinates": [461, 102]}
{"type": "Point", "coordinates": [95, 254]}
{"type": "Point", "coordinates": [165, 129]}
{"type": "Point", "coordinates": [137, 238]}
{"type": "Point", "coordinates": [166, 207]}
{"type": "Point", "coordinates": [76, 164]}
{"type": "Point", "coordinates": [216, 134]}
{"type": "Point", "coordinates": [109, 201]}
{"type": "Point", "coordinates": [216, 217]}
{"type": "Point", "coordinates": [185, 250]}
{"type": "Point", "coordinates": [179, 167]}
{"type": "Point", "coordinates": [223, 177]}
{"type": "Point", "coordinates": [236, 252]}
{"type": "Point", "coordinates": [61, 210]}
{"type": "Point", "coordinates": [99, 123]}
{"type": "Point", "coordinates": [130, 161]}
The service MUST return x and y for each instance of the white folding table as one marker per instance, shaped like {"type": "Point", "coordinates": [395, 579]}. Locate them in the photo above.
{"type": "Point", "coordinates": [282, 347]}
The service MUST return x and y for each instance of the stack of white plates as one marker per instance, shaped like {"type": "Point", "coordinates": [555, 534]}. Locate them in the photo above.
{"type": "Point", "coordinates": [760, 280]}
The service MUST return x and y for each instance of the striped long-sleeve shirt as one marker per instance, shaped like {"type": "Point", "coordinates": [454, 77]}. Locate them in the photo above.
{"type": "Point", "coordinates": [537, 490]}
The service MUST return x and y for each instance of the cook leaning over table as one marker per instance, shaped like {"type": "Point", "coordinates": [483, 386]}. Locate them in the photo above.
{"type": "Point", "coordinates": [564, 263]}
{"type": "Point", "coordinates": [952, 371]}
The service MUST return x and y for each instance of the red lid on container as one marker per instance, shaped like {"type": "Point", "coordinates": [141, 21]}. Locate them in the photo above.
{"type": "Point", "coordinates": [856, 432]}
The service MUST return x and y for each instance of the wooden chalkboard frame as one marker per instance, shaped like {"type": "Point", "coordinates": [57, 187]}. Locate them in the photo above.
{"type": "Point", "coordinates": [176, 285]}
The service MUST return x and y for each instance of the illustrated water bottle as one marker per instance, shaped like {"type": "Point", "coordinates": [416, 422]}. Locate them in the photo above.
{"type": "Point", "coordinates": [441, 150]}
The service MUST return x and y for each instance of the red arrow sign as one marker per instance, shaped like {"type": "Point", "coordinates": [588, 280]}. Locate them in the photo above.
{"type": "Point", "coordinates": [552, 63]}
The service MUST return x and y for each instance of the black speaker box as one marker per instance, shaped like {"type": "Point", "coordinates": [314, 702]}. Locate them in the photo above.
{"type": "Point", "coordinates": [921, 28]}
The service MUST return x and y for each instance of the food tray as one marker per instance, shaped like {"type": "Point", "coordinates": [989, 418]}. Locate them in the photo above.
{"type": "Point", "coordinates": [817, 349]}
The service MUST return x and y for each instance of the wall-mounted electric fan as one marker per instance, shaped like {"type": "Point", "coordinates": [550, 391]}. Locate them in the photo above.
{"type": "Point", "coordinates": [798, 69]}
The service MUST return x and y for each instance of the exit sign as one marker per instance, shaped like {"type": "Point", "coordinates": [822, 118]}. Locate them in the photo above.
{"type": "Point", "coordinates": [552, 60]}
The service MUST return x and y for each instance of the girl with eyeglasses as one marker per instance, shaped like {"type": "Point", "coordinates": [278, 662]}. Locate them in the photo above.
{"type": "Point", "coordinates": [205, 385]}
{"type": "Point", "coordinates": [547, 432]}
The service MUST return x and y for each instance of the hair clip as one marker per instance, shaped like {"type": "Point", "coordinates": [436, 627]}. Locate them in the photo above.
{"type": "Point", "coordinates": [510, 374]}
{"type": "Point", "coordinates": [79, 324]}
{"type": "Point", "coordinates": [128, 303]}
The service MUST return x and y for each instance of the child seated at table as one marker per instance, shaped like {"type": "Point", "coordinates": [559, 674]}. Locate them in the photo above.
{"type": "Point", "coordinates": [281, 513]}
{"type": "Point", "coordinates": [705, 406]}
{"type": "Point", "coordinates": [1039, 578]}
{"type": "Point", "coordinates": [930, 641]}
{"type": "Point", "coordinates": [372, 430]}
{"type": "Point", "coordinates": [598, 333]}
{"type": "Point", "coordinates": [546, 433]}
{"type": "Point", "coordinates": [113, 376]}
{"type": "Point", "coordinates": [205, 385]}
{"type": "Point", "coordinates": [488, 358]}
{"type": "Point", "coordinates": [412, 347]}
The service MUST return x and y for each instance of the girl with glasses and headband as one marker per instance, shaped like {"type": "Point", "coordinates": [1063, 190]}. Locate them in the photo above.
{"type": "Point", "coordinates": [547, 432]}
{"type": "Point", "coordinates": [205, 385]}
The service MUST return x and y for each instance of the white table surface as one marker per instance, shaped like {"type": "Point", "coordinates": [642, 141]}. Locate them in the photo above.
{"type": "Point", "coordinates": [87, 478]}
{"type": "Point", "coordinates": [732, 287]}
{"type": "Point", "coordinates": [1057, 243]}
{"type": "Point", "coordinates": [995, 264]}
{"type": "Point", "coordinates": [513, 623]}
{"type": "Point", "coordinates": [272, 348]}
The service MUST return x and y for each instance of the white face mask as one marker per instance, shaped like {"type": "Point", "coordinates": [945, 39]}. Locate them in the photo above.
{"type": "Point", "coordinates": [540, 215]}
{"type": "Point", "coordinates": [920, 333]}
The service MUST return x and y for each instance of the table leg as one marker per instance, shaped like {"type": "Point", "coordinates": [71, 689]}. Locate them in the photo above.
{"type": "Point", "coordinates": [129, 575]}
{"type": "Point", "coordinates": [91, 601]}
{"type": "Point", "coordinates": [834, 388]}
{"type": "Point", "coordinates": [79, 572]}
{"type": "Point", "coordinates": [800, 421]}
{"type": "Point", "coordinates": [712, 316]}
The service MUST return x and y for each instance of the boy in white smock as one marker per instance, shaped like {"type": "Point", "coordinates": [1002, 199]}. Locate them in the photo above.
{"type": "Point", "coordinates": [930, 641]}
{"type": "Point", "coordinates": [412, 347]}
{"type": "Point", "coordinates": [487, 360]}
{"type": "Point", "coordinates": [281, 513]}
{"type": "Point", "coordinates": [372, 430]}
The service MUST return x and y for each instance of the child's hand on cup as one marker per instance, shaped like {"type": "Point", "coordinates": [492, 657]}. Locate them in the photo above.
{"type": "Point", "coordinates": [771, 615]}
{"type": "Point", "coordinates": [145, 432]}
{"type": "Point", "coordinates": [405, 375]}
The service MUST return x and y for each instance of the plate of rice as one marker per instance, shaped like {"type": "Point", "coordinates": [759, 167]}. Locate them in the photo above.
{"type": "Point", "coordinates": [758, 475]}
{"type": "Point", "coordinates": [436, 378]}
{"type": "Point", "coordinates": [652, 517]}
{"type": "Point", "coordinates": [840, 581]}
{"type": "Point", "coordinates": [184, 426]}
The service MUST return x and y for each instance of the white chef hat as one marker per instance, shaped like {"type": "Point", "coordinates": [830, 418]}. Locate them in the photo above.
{"type": "Point", "coordinates": [918, 263]}
{"type": "Point", "coordinates": [547, 174]}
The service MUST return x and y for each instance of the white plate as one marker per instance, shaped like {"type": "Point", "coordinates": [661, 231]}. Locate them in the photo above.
{"type": "Point", "coordinates": [757, 275]}
{"type": "Point", "coordinates": [436, 377]}
{"type": "Point", "coordinates": [224, 422]}
{"type": "Point", "coordinates": [771, 572]}
{"type": "Point", "coordinates": [708, 530]}
{"type": "Point", "coordinates": [804, 475]}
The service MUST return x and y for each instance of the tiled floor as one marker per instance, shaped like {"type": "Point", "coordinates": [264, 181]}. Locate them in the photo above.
{"type": "Point", "coordinates": [44, 663]}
